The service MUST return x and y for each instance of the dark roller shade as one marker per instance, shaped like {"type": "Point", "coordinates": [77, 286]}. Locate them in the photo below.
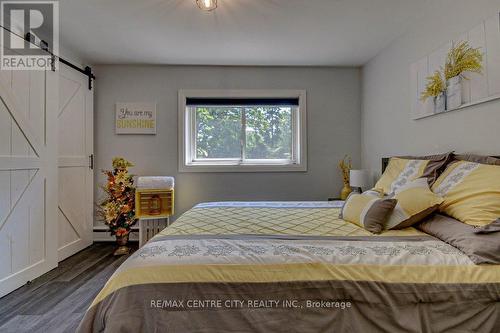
{"type": "Point", "coordinates": [193, 101]}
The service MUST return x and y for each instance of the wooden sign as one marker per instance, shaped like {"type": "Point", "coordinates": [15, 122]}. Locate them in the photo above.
{"type": "Point", "coordinates": [135, 118]}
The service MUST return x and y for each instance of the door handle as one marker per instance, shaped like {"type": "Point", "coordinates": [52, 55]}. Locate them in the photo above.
{"type": "Point", "coordinates": [91, 161]}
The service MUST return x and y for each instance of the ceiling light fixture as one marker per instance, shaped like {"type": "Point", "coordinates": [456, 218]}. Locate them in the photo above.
{"type": "Point", "coordinates": [207, 5]}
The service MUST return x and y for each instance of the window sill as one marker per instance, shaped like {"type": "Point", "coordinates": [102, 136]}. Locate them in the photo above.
{"type": "Point", "coordinates": [243, 168]}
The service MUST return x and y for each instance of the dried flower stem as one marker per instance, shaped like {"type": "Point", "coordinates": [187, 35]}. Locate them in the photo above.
{"type": "Point", "coordinates": [345, 166]}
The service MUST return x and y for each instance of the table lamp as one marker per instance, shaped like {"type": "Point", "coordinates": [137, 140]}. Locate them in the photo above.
{"type": "Point", "coordinates": [358, 179]}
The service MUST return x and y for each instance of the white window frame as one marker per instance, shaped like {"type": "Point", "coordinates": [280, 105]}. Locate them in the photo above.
{"type": "Point", "coordinates": [187, 127]}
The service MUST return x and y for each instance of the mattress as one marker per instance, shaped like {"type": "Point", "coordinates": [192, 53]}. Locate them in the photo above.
{"type": "Point", "coordinates": [296, 267]}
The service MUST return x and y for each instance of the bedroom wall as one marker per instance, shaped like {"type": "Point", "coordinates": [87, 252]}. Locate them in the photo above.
{"type": "Point", "coordinates": [333, 109]}
{"type": "Point", "coordinates": [387, 127]}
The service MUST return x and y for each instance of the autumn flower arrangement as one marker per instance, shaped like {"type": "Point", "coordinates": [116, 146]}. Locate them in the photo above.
{"type": "Point", "coordinates": [117, 209]}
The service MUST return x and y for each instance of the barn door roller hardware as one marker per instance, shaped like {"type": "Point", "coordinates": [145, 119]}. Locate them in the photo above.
{"type": "Point", "coordinates": [45, 46]}
{"type": "Point", "coordinates": [86, 71]}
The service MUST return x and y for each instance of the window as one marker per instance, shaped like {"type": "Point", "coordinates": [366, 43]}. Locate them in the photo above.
{"type": "Point", "coordinates": [225, 131]}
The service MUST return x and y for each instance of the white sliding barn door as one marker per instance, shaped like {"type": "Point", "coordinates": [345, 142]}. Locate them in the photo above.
{"type": "Point", "coordinates": [75, 214]}
{"type": "Point", "coordinates": [28, 176]}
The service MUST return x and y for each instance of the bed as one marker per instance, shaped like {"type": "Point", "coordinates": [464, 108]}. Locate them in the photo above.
{"type": "Point", "coordinates": [294, 267]}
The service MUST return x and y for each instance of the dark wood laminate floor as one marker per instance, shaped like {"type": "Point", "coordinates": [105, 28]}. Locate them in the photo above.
{"type": "Point", "coordinates": [57, 300]}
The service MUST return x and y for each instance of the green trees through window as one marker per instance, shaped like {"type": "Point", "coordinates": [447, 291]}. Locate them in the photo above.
{"type": "Point", "coordinates": [244, 132]}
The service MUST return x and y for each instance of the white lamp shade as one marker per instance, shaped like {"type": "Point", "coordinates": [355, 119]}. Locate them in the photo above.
{"type": "Point", "coordinates": [359, 178]}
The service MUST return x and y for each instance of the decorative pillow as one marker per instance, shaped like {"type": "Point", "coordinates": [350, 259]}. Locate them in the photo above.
{"type": "Point", "coordinates": [416, 201]}
{"type": "Point", "coordinates": [437, 164]}
{"type": "Point", "coordinates": [489, 228]}
{"type": "Point", "coordinates": [477, 159]}
{"type": "Point", "coordinates": [481, 247]}
{"type": "Point", "coordinates": [471, 192]}
{"type": "Point", "coordinates": [401, 170]}
{"type": "Point", "coordinates": [376, 192]}
{"type": "Point", "coordinates": [368, 211]}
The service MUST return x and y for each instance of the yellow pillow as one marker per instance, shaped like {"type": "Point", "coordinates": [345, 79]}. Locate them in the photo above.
{"type": "Point", "coordinates": [367, 210]}
{"type": "Point", "coordinates": [400, 171]}
{"type": "Point", "coordinates": [471, 192]}
{"type": "Point", "coordinates": [416, 201]}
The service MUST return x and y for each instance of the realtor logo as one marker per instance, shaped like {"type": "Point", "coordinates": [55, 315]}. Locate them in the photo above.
{"type": "Point", "coordinates": [30, 35]}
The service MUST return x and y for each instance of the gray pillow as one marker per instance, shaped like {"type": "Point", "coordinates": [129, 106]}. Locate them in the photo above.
{"type": "Point", "coordinates": [481, 244]}
{"type": "Point", "coordinates": [482, 159]}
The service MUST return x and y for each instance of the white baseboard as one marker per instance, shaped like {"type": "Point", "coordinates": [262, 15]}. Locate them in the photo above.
{"type": "Point", "coordinates": [101, 234]}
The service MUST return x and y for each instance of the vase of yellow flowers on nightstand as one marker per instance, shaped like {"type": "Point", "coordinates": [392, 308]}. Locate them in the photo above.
{"type": "Point", "coordinates": [345, 166]}
{"type": "Point", "coordinates": [117, 209]}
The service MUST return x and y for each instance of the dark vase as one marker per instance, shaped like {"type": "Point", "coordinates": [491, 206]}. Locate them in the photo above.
{"type": "Point", "coordinates": [122, 242]}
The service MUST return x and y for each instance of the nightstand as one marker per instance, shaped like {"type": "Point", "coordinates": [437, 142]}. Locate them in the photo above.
{"type": "Point", "coordinates": [154, 204]}
{"type": "Point", "coordinates": [150, 226]}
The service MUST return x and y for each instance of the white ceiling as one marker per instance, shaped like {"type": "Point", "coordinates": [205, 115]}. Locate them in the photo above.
{"type": "Point", "coordinates": [239, 32]}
